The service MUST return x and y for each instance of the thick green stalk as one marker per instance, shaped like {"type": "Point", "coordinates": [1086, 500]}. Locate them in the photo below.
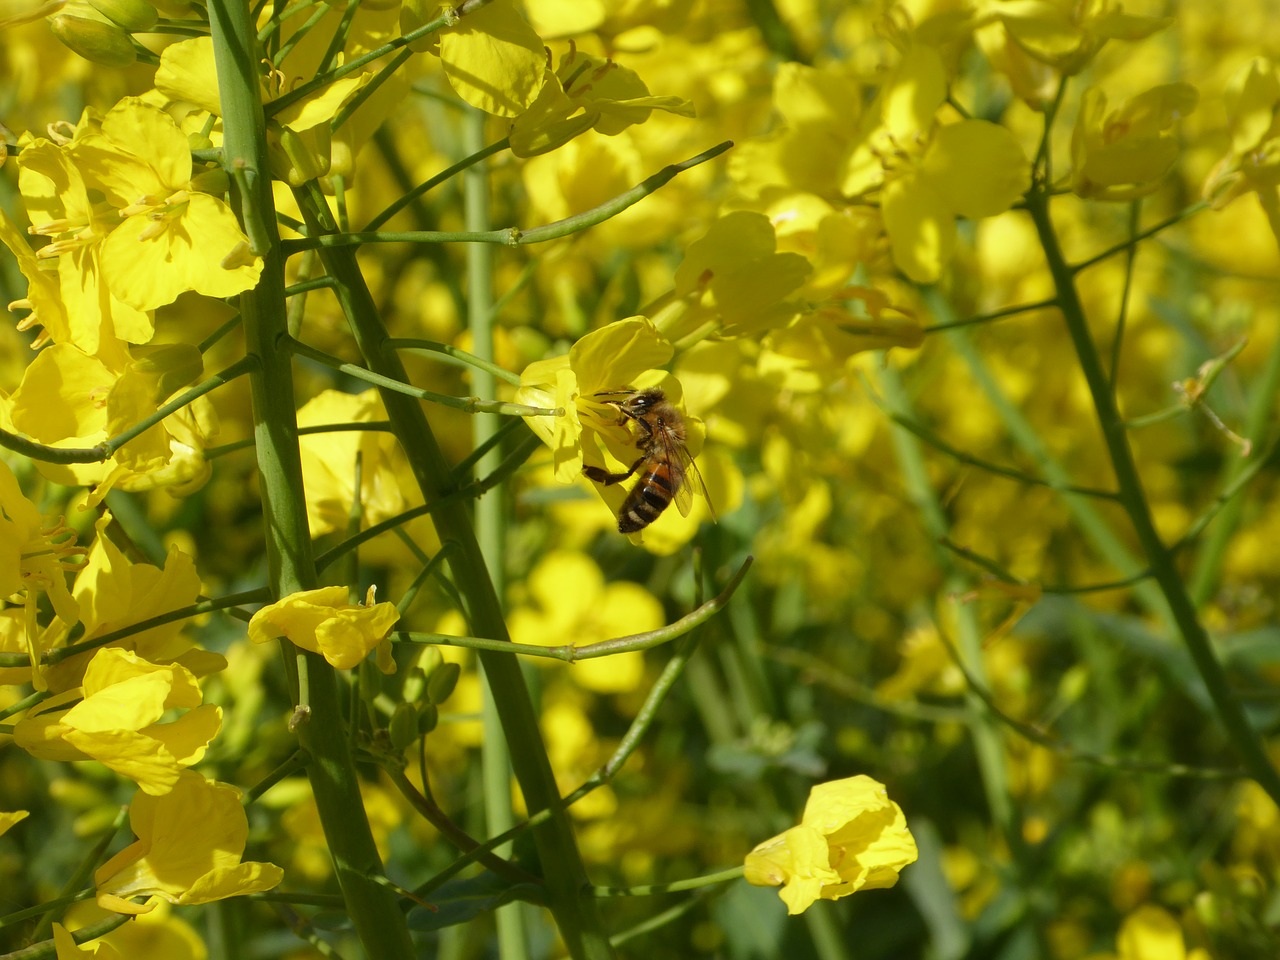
{"type": "Point", "coordinates": [1133, 499]}
{"type": "Point", "coordinates": [576, 915]}
{"type": "Point", "coordinates": [490, 526]}
{"type": "Point", "coordinates": [290, 564]}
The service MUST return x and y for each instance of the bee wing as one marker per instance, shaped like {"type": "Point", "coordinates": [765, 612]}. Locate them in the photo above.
{"type": "Point", "coordinates": [696, 477]}
{"type": "Point", "coordinates": [685, 477]}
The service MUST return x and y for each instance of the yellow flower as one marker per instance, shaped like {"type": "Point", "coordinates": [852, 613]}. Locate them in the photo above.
{"type": "Point", "coordinates": [34, 559]}
{"type": "Point", "coordinates": [494, 60]}
{"type": "Point", "coordinates": [856, 319]}
{"type": "Point", "coordinates": [189, 848]}
{"type": "Point", "coordinates": [1151, 933]}
{"type": "Point", "coordinates": [611, 358]}
{"type": "Point", "coordinates": [112, 592]}
{"type": "Point", "coordinates": [323, 622]}
{"type": "Point", "coordinates": [159, 933]}
{"type": "Point", "coordinates": [586, 93]}
{"type": "Point", "coordinates": [929, 173]}
{"type": "Point", "coordinates": [1123, 154]}
{"type": "Point", "coordinates": [173, 237]}
{"type": "Point", "coordinates": [43, 299]}
{"type": "Point", "coordinates": [1066, 34]}
{"type": "Point", "coordinates": [329, 462]}
{"type": "Point", "coordinates": [1253, 163]}
{"type": "Point", "coordinates": [115, 718]}
{"type": "Point", "coordinates": [852, 837]}
{"type": "Point", "coordinates": [57, 201]}
{"type": "Point", "coordinates": [735, 278]}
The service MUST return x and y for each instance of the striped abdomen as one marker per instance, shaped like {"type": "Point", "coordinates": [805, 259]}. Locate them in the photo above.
{"type": "Point", "coordinates": [652, 494]}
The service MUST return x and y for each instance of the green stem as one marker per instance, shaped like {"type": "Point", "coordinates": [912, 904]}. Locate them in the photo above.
{"type": "Point", "coordinates": [378, 922]}
{"type": "Point", "coordinates": [465, 404]}
{"type": "Point", "coordinates": [513, 236]}
{"type": "Point", "coordinates": [569, 653]}
{"type": "Point", "coordinates": [577, 917]}
{"type": "Point", "coordinates": [676, 886]}
{"type": "Point", "coordinates": [351, 66]}
{"type": "Point", "coordinates": [456, 355]}
{"type": "Point", "coordinates": [987, 741]}
{"type": "Point", "coordinates": [1133, 499]}
{"type": "Point", "coordinates": [990, 317]}
{"type": "Point", "coordinates": [431, 183]}
{"type": "Point", "coordinates": [491, 530]}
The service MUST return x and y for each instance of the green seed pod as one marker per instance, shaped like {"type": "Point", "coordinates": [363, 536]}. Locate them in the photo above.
{"type": "Point", "coordinates": [101, 43]}
{"type": "Point", "coordinates": [442, 682]}
{"type": "Point", "coordinates": [132, 15]}
{"type": "Point", "coordinates": [403, 728]}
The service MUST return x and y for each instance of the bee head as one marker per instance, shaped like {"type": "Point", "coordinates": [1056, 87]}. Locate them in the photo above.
{"type": "Point", "coordinates": [644, 401]}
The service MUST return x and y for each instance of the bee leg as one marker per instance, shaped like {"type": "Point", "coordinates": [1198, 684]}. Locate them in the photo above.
{"type": "Point", "coordinates": [600, 475]}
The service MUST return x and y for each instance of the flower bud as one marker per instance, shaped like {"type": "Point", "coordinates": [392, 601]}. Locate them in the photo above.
{"type": "Point", "coordinates": [428, 717]}
{"type": "Point", "coordinates": [442, 681]}
{"type": "Point", "coordinates": [132, 15]}
{"type": "Point", "coordinates": [102, 43]}
{"type": "Point", "coordinates": [403, 728]}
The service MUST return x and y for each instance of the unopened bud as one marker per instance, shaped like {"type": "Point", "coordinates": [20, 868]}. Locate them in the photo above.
{"type": "Point", "coordinates": [102, 43]}
{"type": "Point", "coordinates": [403, 728]}
{"type": "Point", "coordinates": [442, 681]}
{"type": "Point", "coordinates": [428, 718]}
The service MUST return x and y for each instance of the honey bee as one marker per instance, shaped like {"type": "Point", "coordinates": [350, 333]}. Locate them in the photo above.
{"type": "Point", "coordinates": [664, 464]}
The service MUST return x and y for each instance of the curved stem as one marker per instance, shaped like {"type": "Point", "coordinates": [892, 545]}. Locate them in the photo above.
{"type": "Point", "coordinates": [513, 236]}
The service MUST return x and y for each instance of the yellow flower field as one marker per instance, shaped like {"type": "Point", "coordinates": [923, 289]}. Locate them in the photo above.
{"type": "Point", "coordinates": [665, 478]}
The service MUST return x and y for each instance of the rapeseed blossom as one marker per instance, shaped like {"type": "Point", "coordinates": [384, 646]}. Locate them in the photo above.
{"type": "Point", "coordinates": [324, 622]}
{"type": "Point", "coordinates": [852, 837]}
{"type": "Point", "coordinates": [189, 846]}
{"type": "Point", "coordinates": [928, 172]}
{"type": "Point", "coordinates": [115, 717]}
{"type": "Point", "coordinates": [586, 93]}
{"type": "Point", "coordinates": [1253, 163]}
{"type": "Point", "coordinates": [1122, 154]}
{"type": "Point", "coordinates": [112, 592]}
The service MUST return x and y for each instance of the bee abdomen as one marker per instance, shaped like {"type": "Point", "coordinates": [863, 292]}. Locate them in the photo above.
{"type": "Point", "coordinates": [646, 501]}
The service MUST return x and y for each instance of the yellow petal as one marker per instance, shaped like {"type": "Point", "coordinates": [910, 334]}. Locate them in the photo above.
{"type": "Point", "coordinates": [187, 72]}
{"type": "Point", "coordinates": [612, 357]}
{"type": "Point", "coordinates": [494, 59]}
{"type": "Point", "coordinates": [921, 231]}
{"type": "Point", "coordinates": [977, 167]}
